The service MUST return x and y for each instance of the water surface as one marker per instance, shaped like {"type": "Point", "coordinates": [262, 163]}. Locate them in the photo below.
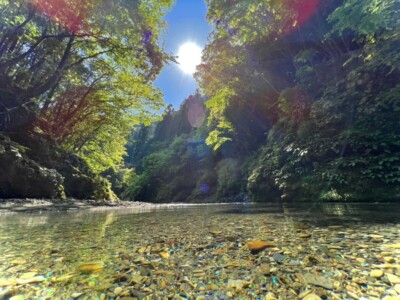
{"type": "Point", "coordinates": [201, 252]}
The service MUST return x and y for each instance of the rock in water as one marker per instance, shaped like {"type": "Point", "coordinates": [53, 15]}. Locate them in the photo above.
{"type": "Point", "coordinates": [397, 288]}
{"type": "Point", "coordinates": [91, 267]}
{"type": "Point", "coordinates": [31, 280]}
{"type": "Point", "coordinates": [28, 275]}
{"type": "Point", "coordinates": [304, 235]}
{"type": "Point", "coordinates": [376, 273]}
{"type": "Point", "coordinates": [317, 280]}
{"type": "Point", "coordinates": [270, 296]}
{"type": "Point", "coordinates": [312, 297]}
{"type": "Point", "coordinates": [393, 278]}
{"type": "Point", "coordinates": [17, 297]}
{"type": "Point", "coordinates": [237, 284]}
{"type": "Point", "coordinates": [165, 254]}
{"type": "Point", "coordinates": [118, 290]}
{"type": "Point", "coordinates": [257, 246]}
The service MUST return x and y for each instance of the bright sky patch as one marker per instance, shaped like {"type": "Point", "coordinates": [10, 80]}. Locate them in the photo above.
{"type": "Point", "coordinates": [189, 56]}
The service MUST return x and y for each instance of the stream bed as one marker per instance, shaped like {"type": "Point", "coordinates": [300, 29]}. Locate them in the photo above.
{"type": "Point", "coordinates": [242, 251]}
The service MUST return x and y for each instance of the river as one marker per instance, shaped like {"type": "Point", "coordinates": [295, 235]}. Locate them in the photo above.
{"type": "Point", "coordinates": [242, 251]}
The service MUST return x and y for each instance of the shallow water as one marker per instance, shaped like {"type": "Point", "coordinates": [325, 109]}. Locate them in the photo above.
{"type": "Point", "coordinates": [201, 252]}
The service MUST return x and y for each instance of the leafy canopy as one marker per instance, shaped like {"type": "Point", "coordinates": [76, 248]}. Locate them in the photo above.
{"type": "Point", "coordinates": [83, 68]}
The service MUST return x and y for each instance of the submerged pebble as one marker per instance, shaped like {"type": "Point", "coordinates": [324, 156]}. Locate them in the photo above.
{"type": "Point", "coordinates": [376, 273]}
{"type": "Point", "coordinates": [90, 267]}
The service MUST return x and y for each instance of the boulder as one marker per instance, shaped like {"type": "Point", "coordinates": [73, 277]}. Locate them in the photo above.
{"type": "Point", "coordinates": [22, 177]}
{"type": "Point", "coordinates": [33, 166]}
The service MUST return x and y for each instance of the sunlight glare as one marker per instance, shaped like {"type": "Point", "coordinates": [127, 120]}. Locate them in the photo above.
{"type": "Point", "coordinates": [189, 56]}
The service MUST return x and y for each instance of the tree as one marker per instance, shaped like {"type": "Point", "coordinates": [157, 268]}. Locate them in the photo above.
{"type": "Point", "coordinates": [313, 82]}
{"type": "Point", "coordinates": [84, 69]}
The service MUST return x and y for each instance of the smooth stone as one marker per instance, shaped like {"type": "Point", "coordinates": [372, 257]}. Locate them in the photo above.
{"type": "Point", "coordinates": [7, 282]}
{"type": "Point", "coordinates": [28, 275]}
{"type": "Point", "coordinates": [335, 297]}
{"type": "Point", "coordinates": [17, 297]}
{"type": "Point", "coordinates": [270, 296]}
{"type": "Point", "coordinates": [376, 273]}
{"type": "Point", "coordinates": [317, 280]}
{"type": "Point", "coordinates": [136, 278]}
{"type": "Point", "coordinates": [91, 267]}
{"type": "Point", "coordinates": [376, 236]}
{"type": "Point", "coordinates": [18, 262]}
{"type": "Point", "coordinates": [274, 270]}
{"type": "Point", "coordinates": [394, 246]}
{"type": "Point", "coordinates": [76, 295]}
{"type": "Point", "coordinates": [278, 257]}
{"type": "Point", "coordinates": [264, 269]}
{"type": "Point", "coordinates": [64, 277]}
{"type": "Point", "coordinates": [304, 235]}
{"type": "Point", "coordinates": [397, 288]}
{"type": "Point", "coordinates": [353, 295]}
{"type": "Point", "coordinates": [393, 278]}
{"type": "Point", "coordinates": [118, 290]}
{"type": "Point", "coordinates": [165, 254]}
{"type": "Point", "coordinates": [237, 284]}
{"type": "Point", "coordinates": [257, 246]}
{"type": "Point", "coordinates": [31, 280]}
{"type": "Point", "coordinates": [312, 297]}
{"type": "Point", "coordinates": [305, 293]}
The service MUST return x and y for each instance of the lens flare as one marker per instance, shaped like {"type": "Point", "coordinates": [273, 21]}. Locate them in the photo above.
{"type": "Point", "coordinates": [196, 114]}
{"type": "Point", "coordinates": [303, 10]}
{"type": "Point", "coordinates": [71, 14]}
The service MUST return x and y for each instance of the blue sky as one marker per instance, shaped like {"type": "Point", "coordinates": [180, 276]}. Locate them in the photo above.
{"type": "Point", "coordinates": [186, 22]}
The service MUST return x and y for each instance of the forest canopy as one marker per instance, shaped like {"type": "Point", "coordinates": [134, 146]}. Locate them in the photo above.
{"type": "Point", "coordinates": [302, 103]}
{"type": "Point", "coordinates": [81, 72]}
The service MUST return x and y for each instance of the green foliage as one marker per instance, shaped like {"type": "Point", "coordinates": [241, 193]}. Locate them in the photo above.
{"type": "Point", "coordinates": [174, 164]}
{"type": "Point", "coordinates": [327, 85]}
{"type": "Point", "coordinates": [84, 69]}
{"type": "Point", "coordinates": [247, 22]}
{"type": "Point", "coordinates": [229, 179]}
{"type": "Point", "coordinates": [367, 19]}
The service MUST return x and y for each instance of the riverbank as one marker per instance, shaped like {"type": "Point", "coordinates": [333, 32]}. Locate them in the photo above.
{"type": "Point", "coordinates": [49, 205]}
{"type": "Point", "coordinates": [42, 205]}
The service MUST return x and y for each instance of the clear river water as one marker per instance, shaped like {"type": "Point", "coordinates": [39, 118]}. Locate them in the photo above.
{"type": "Point", "coordinates": [243, 251]}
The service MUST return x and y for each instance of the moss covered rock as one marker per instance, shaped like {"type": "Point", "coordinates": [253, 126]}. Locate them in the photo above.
{"type": "Point", "coordinates": [22, 177]}
{"type": "Point", "coordinates": [32, 166]}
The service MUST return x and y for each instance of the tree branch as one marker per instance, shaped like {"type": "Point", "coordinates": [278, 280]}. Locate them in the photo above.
{"type": "Point", "coordinates": [57, 73]}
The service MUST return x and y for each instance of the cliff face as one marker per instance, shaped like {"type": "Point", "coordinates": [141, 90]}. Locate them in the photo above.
{"type": "Point", "coordinates": [33, 167]}
{"type": "Point", "coordinates": [22, 177]}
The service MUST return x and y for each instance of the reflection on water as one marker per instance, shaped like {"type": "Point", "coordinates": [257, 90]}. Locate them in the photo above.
{"type": "Point", "coordinates": [187, 250]}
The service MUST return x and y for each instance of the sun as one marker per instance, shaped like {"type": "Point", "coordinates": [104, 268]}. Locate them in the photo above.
{"type": "Point", "coordinates": [189, 56]}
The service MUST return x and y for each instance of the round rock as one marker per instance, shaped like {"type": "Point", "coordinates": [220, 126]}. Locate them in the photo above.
{"type": "Point", "coordinates": [312, 297]}
{"type": "Point", "coordinates": [376, 273]}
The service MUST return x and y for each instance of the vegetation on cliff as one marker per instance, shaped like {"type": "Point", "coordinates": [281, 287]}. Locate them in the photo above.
{"type": "Point", "coordinates": [303, 104]}
{"type": "Point", "coordinates": [79, 74]}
